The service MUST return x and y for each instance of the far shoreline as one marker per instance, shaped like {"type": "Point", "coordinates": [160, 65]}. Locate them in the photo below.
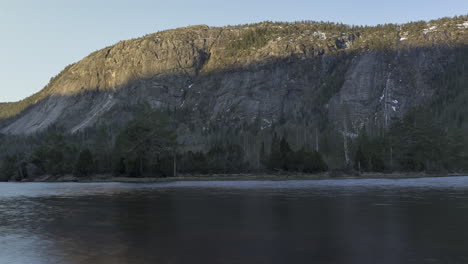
{"type": "Point", "coordinates": [238, 177]}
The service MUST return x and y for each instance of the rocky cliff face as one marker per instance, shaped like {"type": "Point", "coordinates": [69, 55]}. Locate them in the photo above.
{"type": "Point", "coordinates": [295, 79]}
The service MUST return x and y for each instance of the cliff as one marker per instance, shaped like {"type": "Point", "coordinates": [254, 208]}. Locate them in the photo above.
{"type": "Point", "coordinates": [244, 83]}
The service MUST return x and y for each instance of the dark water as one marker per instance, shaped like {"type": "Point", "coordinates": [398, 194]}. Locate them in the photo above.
{"type": "Point", "coordinates": [335, 221]}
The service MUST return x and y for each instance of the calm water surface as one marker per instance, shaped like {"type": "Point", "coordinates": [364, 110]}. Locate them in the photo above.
{"type": "Point", "coordinates": [331, 221]}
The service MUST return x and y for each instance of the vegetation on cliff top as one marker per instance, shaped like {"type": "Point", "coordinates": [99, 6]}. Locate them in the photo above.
{"type": "Point", "coordinates": [431, 137]}
{"type": "Point", "coordinates": [236, 46]}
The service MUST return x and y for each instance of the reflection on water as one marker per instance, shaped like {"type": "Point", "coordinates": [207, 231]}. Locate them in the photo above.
{"type": "Point", "coordinates": [331, 221]}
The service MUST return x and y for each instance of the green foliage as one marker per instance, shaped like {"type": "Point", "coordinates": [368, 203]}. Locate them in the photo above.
{"type": "Point", "coordinates": [382, 37]}
{"type": "Point", "coordinates": [431, 138]}
{"type": "Point", "coordinates": [263, 156]}
{"type": "Point", "coordinates": [8, 168]}
{"type": "Point", "coordinates": [415, 143]}
{"type": "Point", "coordinates": [219, 159]}
{"type": "Point", "coordinates": [276, 160]}
{"type": "Point", "coordinates": [143, 144]}
{"type": "Point", "coordinates": [85, 164]}
{"type": "Point", "coordinates": [194, 162]}
{"type": "Point", "coordinates": [305, 161]}
{"type": "Point", "coordinates": [102, 144]}
{"type": "Point", "coordinates": [299, 33]}
{"type": "Point", "coordinates": [253, 38]}
{"type": "Point", "coordinates": [224, 159]}
{"type": "Point", "coordinates": [370, 154]}
{"type": "Point", "coordinates": [419, 145]}
{"type": "Point", "coordinates": [55, 156]}
{"type": "Point", "coordinates": [361, 160]}
{"type": "Point", "coordinates": [284, 158]}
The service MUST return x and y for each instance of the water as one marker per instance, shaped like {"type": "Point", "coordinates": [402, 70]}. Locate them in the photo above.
{"type": "Point", "coordinates": [333, 221]}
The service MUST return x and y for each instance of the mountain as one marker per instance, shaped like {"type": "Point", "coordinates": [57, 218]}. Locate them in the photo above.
{"type": "Point", "coordinates": [309, 82]}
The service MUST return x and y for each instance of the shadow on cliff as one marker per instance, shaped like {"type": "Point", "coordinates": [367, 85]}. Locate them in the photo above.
{"type": "Point", "coordinates": [177, 85]}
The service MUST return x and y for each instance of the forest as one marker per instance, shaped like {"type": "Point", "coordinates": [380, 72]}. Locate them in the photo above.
{"type": "Point", "coordinates": [147, 147]}
{"type": "Point", "coordinates": [430, 138]}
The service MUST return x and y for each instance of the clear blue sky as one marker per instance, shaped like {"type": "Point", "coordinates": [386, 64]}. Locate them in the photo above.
{"type": "Point", "coordinates": [38, 38]}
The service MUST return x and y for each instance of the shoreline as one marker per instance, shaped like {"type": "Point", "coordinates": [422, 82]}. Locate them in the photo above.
{"type": "Point", "coordinates": [239, 177]}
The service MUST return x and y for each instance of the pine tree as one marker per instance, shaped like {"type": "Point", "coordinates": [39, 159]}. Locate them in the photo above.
{"type": "Point", "coordinates": [285, 151]}
{"type": "Point", "coordinates": [360, 160]}
{"type": "Point", "coordinates": [313, 162]}
{"type": "Point", "coordinates": [144, 143]}
{"type": "Point", "coordinates": [263, 156]}
{"type": "Point", "coordinates": [275, 160]}
{"type": "Point", "coordinates": [9, 168]}
{"type": "Point", "coordinates": [84, 166]}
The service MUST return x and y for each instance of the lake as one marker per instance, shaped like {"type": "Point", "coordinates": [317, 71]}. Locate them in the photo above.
{"type": "Point", "coordinates": [421, 220]}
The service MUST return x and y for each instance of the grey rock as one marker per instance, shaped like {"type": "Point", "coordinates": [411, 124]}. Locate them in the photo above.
{"type": "Point", "coordinates": [295, 83]}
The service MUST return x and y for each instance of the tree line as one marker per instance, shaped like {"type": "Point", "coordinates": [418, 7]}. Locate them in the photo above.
{"type": "Point", "coordinates": [145, 147]}
{"type": "Point", "coordinates": [413, 144]}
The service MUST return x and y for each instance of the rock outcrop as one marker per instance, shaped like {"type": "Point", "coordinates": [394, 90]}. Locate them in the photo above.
{"type": "Point", "coordinates": [294, 79]}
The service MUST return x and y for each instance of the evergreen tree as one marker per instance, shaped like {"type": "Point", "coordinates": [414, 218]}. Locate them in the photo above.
{"type": "Point", "coordinates": [194, 162]}
{"type": "Point", "coordinates": [84, 166]}
{"type": "Point", "coordinates": [102, 145]}
{"type": "Point", "coordinates": [276, 159]}
{"type": "Point", "coordinates": [217, 160]}
{"type": "Point", "coordinates": [54, 155]}
{"type": "Point", "coordinates": [313, 162]}
{"type": "Point", "coordinates": [9, 168]}
{"type": "Point", "coordinates": [360, 160]}
{"type": "Point", "coordinates": [144, 143]}
{"type": "Point", "coordinates": [263, 156]}
{"type": "Point", "coordinates": [285, 152]}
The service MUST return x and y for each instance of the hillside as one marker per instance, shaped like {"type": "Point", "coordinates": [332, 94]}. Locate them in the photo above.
{"type": "Point", "coordinates": [316, 84]}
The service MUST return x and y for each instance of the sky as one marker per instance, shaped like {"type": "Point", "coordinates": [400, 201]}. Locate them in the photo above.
{"type": "Point", "coordinates": [38, 38]}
